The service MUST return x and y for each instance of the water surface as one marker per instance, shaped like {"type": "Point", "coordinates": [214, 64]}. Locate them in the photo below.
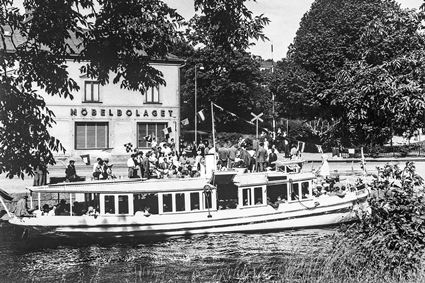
{"type": "Point", "coordinates": [175, 259]}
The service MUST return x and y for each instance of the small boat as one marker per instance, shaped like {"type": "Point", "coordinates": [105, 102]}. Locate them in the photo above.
{"type": "Point", "coordinates": [226, 201]}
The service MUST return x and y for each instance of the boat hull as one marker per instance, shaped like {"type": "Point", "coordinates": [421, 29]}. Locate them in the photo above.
{"type": "Point", "coordinates": [312, 213]}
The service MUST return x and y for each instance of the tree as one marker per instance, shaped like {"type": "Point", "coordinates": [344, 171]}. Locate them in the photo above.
{"type": "Point", "coordinates": [232, 81]}
{"type": "Point", "coordinates": [222, 33]}
{"type": "Point", "coordinates": [123, 38]}
{"type": "Point", "coordinates": [359, 63]}
{"type": "Point", "coordinates": [226, 24]}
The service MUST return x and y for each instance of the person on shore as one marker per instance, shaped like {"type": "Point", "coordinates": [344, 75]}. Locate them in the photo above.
{"type": "Point", "coordinates": [40, 173]}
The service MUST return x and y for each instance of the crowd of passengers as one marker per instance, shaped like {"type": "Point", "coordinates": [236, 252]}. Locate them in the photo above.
{"type": "Point", "coordinates": [164, 161]}
{"type": "Point", "coordinates": [61, 208]}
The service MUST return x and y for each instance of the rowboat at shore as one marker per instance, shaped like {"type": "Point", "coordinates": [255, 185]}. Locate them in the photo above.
{"type": "Point", "coordinates": [226, 201]}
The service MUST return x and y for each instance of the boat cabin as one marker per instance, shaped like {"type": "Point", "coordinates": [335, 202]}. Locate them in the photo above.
{"type": "Point", "coordinates": [225, 190]}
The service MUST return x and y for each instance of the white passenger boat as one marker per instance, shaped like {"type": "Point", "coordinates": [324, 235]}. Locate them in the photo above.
{"type": "Point", "coordinates": [228, 201]}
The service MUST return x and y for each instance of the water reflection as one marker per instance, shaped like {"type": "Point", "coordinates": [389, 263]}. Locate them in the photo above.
{"type": "Point", "coordinates": [118, 260]}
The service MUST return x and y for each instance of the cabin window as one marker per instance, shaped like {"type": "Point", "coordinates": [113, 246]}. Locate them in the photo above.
{"type": "Point", "coordinates": [305, 192]}
{"type": "Point", "coordinates": [246, 196]}
{"type": "Point", "coordinates": [275, 191]}
{"type": "Point", "coordinates": [167, 202]}
{"type": "Point", "coordinates": [284, 192]}
{"type": "Point", "coordinates": [180, 204]}
{"type": "Point", "coordinates": [146, 202]}
{"type": "Point", "coordinates": [110, 204]}
{"type": "Point", "coordinates": [295, 191]}
{"type": "Point", "coordinates": [258, 195]}
{"type": "Point", "coordinates": [227, 196]}
{"type": "Point", "coordinates": [194, 201]}
{"type": "Point", "coordinates": [123, 204]}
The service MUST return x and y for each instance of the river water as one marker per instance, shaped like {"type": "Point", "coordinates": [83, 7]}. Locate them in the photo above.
{"type": "Point", "coordinates": [155, 260]}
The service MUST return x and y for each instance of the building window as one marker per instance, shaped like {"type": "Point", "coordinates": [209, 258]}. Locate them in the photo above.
{"type": "Point", "coordinates": [91, 92]}
{"type": "Point", "coordinates": [152, 95]}
{"type": "Point", "coordinates": [91, 135]}
{"type": "Point", "coordinates": [146, 129]}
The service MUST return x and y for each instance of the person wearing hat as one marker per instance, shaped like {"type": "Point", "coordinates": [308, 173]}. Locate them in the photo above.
{"type": "Point", "coordinates": [107, 170]}
{"type": "Point", "coordinates": [71, 173]}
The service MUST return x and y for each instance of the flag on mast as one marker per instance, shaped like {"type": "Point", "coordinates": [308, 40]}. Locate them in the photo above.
{"type": "Point", "coordinates": [363, 161]}
{"type": "Point", "coordinates": [185, 122]}
{"type": "Point", "coordinates": [201, 115]}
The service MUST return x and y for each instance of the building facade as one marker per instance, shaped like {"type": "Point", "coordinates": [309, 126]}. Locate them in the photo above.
{"type": "Point", "coordinates": [107, 120]}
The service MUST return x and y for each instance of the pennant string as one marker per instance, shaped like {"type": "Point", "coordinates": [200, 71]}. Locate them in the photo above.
{"type": "Point", "coordinates": [265, 129]}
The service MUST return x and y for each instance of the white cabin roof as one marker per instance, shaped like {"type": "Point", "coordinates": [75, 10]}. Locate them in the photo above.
{"type": "Point", "coordinates": [125, 186]}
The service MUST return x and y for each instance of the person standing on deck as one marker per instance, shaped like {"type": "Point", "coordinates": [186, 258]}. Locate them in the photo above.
{"type": "Point", "coordinates": [232, 155]}
{"type": "Point", "coordinates": [272, 158]}
{"type": "Point", "coordinates": [294, 152]}
{"type": "Point", "coordinates": [261, 157]}
{"type": "Point", "coordinates": [146, 164]}
{"type": "Point", "coordinates": [245, 156]}
{"type": "Point", "coordinates": [223, 156]}
{"type": "Point", "coordinates": [324, 169]}
{"type": "Point", "coordinates": [131, 166]}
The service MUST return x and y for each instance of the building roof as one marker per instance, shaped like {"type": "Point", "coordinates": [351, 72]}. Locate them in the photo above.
{"type": "Point", "coordinates": [13, 39]}
{"type": "Point", "coordinates": [265, 65]}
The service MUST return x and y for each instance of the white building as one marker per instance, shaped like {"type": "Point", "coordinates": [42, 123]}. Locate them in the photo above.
{"type": "Point", "coordinates": [101, 120]}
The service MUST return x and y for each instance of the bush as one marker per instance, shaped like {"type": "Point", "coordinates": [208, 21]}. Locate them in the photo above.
{"type": "Point", "coordinates": [375, 150]}
{"type": "Point", "coordinates": [404, 150]}
{"type": "Point", "coordinates": [391, 238]}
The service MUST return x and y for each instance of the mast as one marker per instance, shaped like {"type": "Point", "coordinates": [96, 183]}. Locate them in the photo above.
{"type": "Point", "coordinates": [213, 130]}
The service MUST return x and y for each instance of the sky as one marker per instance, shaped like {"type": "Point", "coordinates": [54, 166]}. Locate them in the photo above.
{"type": "Point", "coordinates": [285, 16]}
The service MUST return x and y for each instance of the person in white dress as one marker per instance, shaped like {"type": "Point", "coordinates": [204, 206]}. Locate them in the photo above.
{"type": "Point", "coordinates": [324, 169]}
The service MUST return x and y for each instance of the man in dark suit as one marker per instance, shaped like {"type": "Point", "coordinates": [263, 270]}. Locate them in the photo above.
{"type": "Point", "coordinates": [261, 157]}
{"type": "Point", "coordinates": [71, 173]}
